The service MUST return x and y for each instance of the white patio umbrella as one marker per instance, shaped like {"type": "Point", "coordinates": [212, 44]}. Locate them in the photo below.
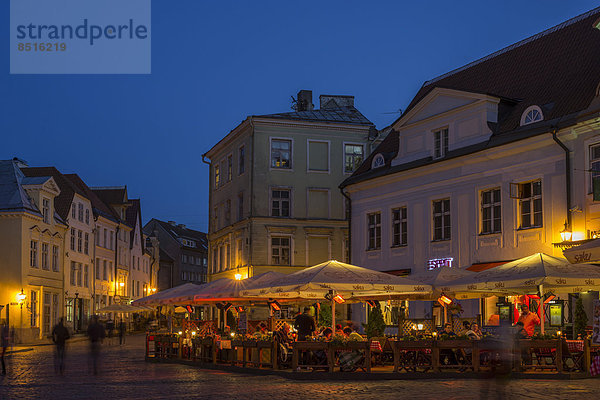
{"type": "Point", "coordinates": [525, 275]}
{"type": "Point", "coordinates": [349, 281]}
{"type": "Point", "coordinates": [164, 296]}
{"type": "Point", "coordinates": [123, 308]}
{"type": "Point", "coordinates": [584, 253]}
{"type": "Point", "coordinates": [532, 274]}
{"type": "Point", "coordinates": [223, 289]}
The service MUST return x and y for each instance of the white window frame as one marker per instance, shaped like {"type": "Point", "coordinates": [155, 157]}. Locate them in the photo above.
{"type": "Point", "coordinates": [403, 223]}
{"type": "Point", "coordinates": [280, 188]}
{"type": "Point", "coordinates": [531, 110]}
{"type": "Point", "coordinates": [291, 161]}
{"type": "Point", "coordinates": [492, 206]}
{"type": "Point", "coordinates": [531, 200]}
{"type": "Point", "coordinates": [318, 171]}
{"type": "Point", "coordinates": [364, 156]}
{"type": "Point", "coordinates": [378, 161]}
{"type": "Point", "coordinates": [229, 163]}
{"type": "Point", "coordinates": [45, 256]}
{"type": "Point", "coordinates": [443, 225]}
{"type": "Point", "coordinates": [589, 161]}
{"type": "Point", "coordinates": [242, 164]}
{"type": "Point", "coordinates": [444, 139]}
{"type": "Point", "coordinates": [46, 209]}
{"type": "Point", "coordinates": [376, 226]}
{"type": "Point", "coordinates": [291, 250]}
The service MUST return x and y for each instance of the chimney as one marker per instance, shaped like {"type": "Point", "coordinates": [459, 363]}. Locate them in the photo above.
{"type": "Point", "coordinates": [172, 223]}
{"type": "Point", "coordinates": [304, 102]}
{"type": "Point", "coordinates": [335, 101]}
{"type": "Point", "coordinates": [182, 226]}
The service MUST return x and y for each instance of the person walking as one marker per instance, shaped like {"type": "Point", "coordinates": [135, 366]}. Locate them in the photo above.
{"type": "Point", "coordinates": [60, 335]}
{"type": "Point", "coordinates": [4, 339]}
{"type": "Point", "coordinates": [122, 328]}
{"type": "Point", "coordinates": [96, 333]}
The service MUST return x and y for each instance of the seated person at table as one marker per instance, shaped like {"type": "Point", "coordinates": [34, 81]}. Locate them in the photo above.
{"type": "Point", "coordinates": [346, 331]}
{"type": "Point", "coordinates": [283, 334]}
{"type": "Point", "coordinates": [469, 332]}
{"type": "Point", "coordinates": [477, 330]}
{"type": "Point", "coordinates": [447, 330]}
{"type": "Point", "coordinates": [327, 333]}
{"type": "Point", "coordinates": [529, 320]}
{"type": "Point", "coordinates": [304, 324]}
{"type": "Point", "coordinates": [520, 332]}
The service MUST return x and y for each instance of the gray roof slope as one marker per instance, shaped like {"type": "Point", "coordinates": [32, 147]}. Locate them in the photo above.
{"type": "Point", "coordinates": [346, 115]}
{"type": "Point", "coordinates": [179, 232]}
{"type": "Point", "coordinates": [12, 195]}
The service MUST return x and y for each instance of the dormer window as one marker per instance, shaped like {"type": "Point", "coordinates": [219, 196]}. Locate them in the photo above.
{"type": "Point", "coordinates": [440, 143]}
{"type": "Point", "coordinates": [378, 161]}
{"type": "Point", "coordinates": [531, 114]}
{"type": "Point", "coordinates": [46, 210]}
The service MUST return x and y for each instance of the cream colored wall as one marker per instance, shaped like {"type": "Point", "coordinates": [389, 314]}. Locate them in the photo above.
{"type": "Point", "coordinates": [303, 225]}
{"type": "Point", "coordinates": [80, 257]}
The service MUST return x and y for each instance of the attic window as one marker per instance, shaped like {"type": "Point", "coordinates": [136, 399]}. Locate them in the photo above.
{"type": "Point", "coordinates": [531, 114]}
{"type": "Point", "coordinates": [378, 161]}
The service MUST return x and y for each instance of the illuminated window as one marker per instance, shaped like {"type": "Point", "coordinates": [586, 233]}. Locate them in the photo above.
{"type": "Point", "coordinates": [353, 157]}
{"type": "Point", "coordinates": [281, 153]}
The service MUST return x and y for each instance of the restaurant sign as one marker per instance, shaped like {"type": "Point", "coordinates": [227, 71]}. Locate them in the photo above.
{"type": "Point", "coordinates": [435, 263]}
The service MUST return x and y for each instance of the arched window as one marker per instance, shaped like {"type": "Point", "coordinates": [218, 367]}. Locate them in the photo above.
{"type": "Point", "coordinates": [378, 161]}
{"type": "Point", "coordinates": [531, 114]}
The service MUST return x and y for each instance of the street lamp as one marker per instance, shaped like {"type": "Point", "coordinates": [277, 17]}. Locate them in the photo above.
{"type": "Point", "coordinates": [21, 298]}
{"type": "Point", "coordinates": [75, 312]}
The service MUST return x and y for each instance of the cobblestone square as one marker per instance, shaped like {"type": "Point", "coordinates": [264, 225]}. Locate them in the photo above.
{"type": "Point", "coordinates": [125, 375]}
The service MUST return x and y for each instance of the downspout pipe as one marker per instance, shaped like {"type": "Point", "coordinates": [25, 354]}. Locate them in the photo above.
{"type": "Point", "coordinates": [567, 173]}
{"type": "Point", "coordinates": [349, 224]}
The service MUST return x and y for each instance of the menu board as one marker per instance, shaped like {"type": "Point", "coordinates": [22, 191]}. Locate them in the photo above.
{"type": "Point", "coordinates": [242, 321]}
{"type": "Point", "coordinates": [556, 317]}
{"type": "Point", "coordinates": [596, 331]}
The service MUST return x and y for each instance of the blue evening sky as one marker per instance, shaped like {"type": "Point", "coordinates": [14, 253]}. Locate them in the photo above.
{"type": "Point", "coordinates": [214, 63]}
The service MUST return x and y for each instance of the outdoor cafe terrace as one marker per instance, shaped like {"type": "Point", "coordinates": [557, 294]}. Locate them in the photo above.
{"type": "Point", "coordinates": [271, 345]}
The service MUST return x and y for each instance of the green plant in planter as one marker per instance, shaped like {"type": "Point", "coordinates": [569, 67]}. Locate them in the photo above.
{"type": "Point", "coordinates": [581, 319]}
{"type": "Point", "coordinates": [375, 324]}
{"type": "Point", "coordinates": [325, 315]}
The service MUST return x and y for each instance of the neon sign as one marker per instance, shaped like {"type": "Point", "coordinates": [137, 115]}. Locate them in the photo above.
{"type": "Point", "coordinates": [439, 262]}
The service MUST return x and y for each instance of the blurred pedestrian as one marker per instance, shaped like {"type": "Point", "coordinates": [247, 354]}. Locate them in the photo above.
{"type": "Point", "coordinates": [96, 333]}
{"type": "Point", "coordinates": [4, 339]}
{"type": "Point", "coordinates": [122, 329]}
{"type": "Point", "coordinates": [60, 335]}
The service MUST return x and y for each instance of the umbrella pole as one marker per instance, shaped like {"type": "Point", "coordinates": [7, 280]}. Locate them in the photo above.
{"type": "Point", "coordinates": [542, 314]}
{"type": "Point", "coordinates": [333, 315]}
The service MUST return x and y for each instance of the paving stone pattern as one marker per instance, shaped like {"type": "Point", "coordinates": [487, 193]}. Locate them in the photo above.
{"type": "Point", "coordinates": [125, 375]}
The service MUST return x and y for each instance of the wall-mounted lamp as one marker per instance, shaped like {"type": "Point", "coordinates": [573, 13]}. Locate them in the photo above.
{"type": "Point", "coordinates": [566, 234]}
